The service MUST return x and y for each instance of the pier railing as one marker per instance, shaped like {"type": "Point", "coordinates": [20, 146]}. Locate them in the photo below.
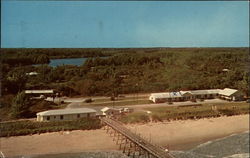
{"type": "Point", "coordinates": [131, 143]}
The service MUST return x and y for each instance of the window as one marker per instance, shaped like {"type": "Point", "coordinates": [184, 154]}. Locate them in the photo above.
{"type": "Point", "coordinates": [48, 118]}
{"type": "Point", "coordinates": [61, 117]}
{"type": "Point", "coordinates": [54, 117]}
{"type": "Point", "coordinates": [88, 114]}
{"type": "Point", "coordinates": [78, 115]}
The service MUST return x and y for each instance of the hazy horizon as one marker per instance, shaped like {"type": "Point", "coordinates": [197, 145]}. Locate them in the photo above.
{"type": "Point", "coordinates": [111, 47]}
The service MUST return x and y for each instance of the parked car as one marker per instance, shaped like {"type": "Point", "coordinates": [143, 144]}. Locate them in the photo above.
{"type": "Point", "coordinates": [128, 110]}
{"type": "Point", "coordinates": [89, 100]}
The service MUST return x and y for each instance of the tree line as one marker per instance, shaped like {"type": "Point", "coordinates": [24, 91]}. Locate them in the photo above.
{"type": "Point", "coordinates": [136, 70]}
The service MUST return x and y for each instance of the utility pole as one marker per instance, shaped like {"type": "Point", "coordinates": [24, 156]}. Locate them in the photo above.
{"type": "Point", "coordinates": [137, 91]}
{"type": "Point", "coordinates": [113, 98]}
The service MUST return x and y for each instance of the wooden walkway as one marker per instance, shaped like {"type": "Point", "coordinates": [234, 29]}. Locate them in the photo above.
{"type": "Point", "coordinates": [132, 144]}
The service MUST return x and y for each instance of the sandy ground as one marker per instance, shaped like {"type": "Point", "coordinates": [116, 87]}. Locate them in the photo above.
{"type": "Point", "coordinates": [186, 134]}
{"type": "Point", "coordinates": [174, 135]}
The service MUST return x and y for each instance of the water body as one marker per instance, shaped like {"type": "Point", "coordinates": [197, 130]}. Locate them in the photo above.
{"type": "Point", "coordinates": [234, 146]}
{"type": "Point", "coordinates": [70, 61]}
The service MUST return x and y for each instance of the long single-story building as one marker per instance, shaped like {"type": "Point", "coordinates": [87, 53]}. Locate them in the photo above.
{"type": "Point", "coordinates": [164, 97]}
{"type": "Point", "coordinates": [39, 93]}
{"type": "Point", "coordinates": [66, 114]}
{"type": "Point", "coordinates": [227, 93]}
{"type": "Point", "coordinates": [202, 94]}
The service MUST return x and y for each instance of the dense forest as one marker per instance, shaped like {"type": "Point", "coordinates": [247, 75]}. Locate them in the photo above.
{"type": "Point", "coordinates": [125, 70]}
{"type": "Point", "coordinates": [29, 56]}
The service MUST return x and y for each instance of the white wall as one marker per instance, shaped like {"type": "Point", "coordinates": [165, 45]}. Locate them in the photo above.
{"type": "Point", "coordinates": [65, 117]}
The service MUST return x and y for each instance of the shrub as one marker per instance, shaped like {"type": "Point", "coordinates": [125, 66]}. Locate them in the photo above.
{"type": "Point", "coordinates": [227, 112]}
{"type": "Point", "coordinates": [89, 100]}
{"type": "Point", "coordinates": [30, 127]}
{"type": "Point", "coordinates": [19, 105]}
{"type": "Point", "coordinates": [156, 118]}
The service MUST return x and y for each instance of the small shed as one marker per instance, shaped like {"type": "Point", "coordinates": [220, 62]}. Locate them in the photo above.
{"type": "Point", "coordinates": [66, 114]}
{"type": "Point", "coordinates": [110, 111]}
{"type": "Point", "coordinates": [231, 94]}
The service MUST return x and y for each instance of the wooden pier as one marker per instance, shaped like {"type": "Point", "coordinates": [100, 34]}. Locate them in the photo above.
{"type": "Point", "coordinates": [132, 144]}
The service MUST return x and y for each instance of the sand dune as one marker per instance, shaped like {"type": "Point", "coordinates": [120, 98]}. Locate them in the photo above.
{"type": "Point", "coordinates": [175, 135]}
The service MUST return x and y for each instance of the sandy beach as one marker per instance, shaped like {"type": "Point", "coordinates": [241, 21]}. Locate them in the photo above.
{"type": "Point", "coordinates": [175, 135]}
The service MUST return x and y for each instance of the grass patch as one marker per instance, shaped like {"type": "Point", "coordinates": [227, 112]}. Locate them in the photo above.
{"type": "Point", "coordinates": [32, 127]}
{"type": "Point", "coordinates": [135, 118]}
{"type": "Point", "coordinates": [187, 112]}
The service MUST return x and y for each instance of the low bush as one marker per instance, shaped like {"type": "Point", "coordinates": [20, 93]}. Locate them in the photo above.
{"type": "Point", "coordinates": [31, 127]}
{"type": "Point", "coordinates": [156, 118]}
{"type": "Point", "coordinates": [89, 100]}
{"type": "Point", "coordinates": [190, 105]}
{"type": "Point", "coordinates": [112, 98]}
{"type": "Point", "coordinates": [228, 112]}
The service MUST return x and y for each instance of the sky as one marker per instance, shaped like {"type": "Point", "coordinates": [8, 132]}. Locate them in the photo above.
{"type": "Point", "coordinates": [112, 24]}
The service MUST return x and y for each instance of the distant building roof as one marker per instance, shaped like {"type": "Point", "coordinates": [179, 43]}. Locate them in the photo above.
{"type": "Point", "coordinates": [175, 94]}
{"type": "Point", "coordinates": [225, 70]}
{"type": "Point", "coordinates": [167, 95]}
{"type": "Point", "coordinates": [207, 91]}
{"type": "Point", "coordinates": [105, 109]}
{"type": "Point", "coordinates": [38, 91]}
{"type": "Point", "coordinates": [66, 111]}
{"type": "Point", "coordinates": [181, 93]}
{"type": "Point", "coordinates": [184, 92]}
{"type": "Point", "coordinates": [228, 91]}
{"type": "Point", "coordinates": [32, 73]}
{"type": "Point", "coordinates": [160, 95]}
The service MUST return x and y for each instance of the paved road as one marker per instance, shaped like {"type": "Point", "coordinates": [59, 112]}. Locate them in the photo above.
{"type": "Point", "coordinates": [129, 97]}
{"type": "Point", "coordinates": [74, 105]}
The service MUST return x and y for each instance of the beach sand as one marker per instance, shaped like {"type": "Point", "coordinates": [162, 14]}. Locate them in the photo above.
{"type": "Point", "coordinates": [181, 135]}
{"type": "Point", "coordinates": [175, 135]}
